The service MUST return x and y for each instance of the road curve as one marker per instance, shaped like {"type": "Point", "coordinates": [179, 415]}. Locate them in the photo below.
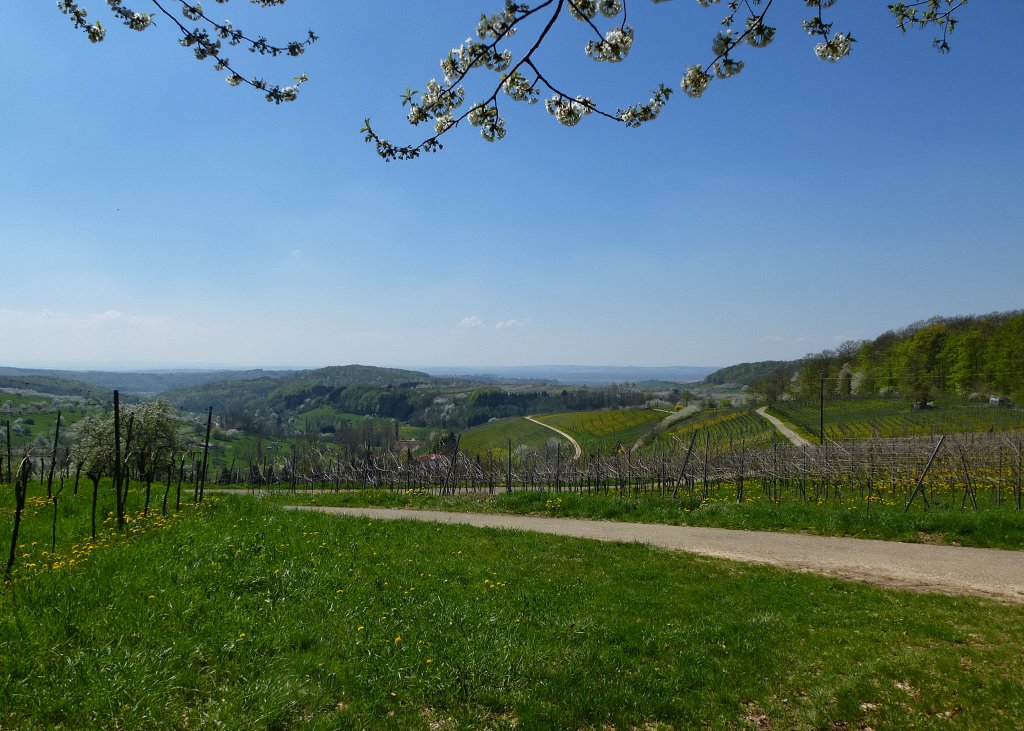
{"type": "Point", "coordinates": [573, 442]}
{"type": "Point", "coordinates": [954, 570]}
{"type": "Point", "coordinates": [783, 428]}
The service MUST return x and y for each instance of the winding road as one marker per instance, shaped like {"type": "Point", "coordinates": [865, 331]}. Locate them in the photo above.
{"type": "Point", "coordinates": [985, 572]}
{"type": "Point", "coordinates": [783, 428]}
{"type": "Point", "coordinates": [573, 442]}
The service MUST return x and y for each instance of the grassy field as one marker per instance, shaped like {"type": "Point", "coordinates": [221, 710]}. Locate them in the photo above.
{"type": "Point", "coordinates": [496, 434]}
{"type": "Point", "coordinates": [240, 615]}
{"type": "Point", "coordinates": [864, 418]}
{"type": "Point", "coordinates": [606, 429]}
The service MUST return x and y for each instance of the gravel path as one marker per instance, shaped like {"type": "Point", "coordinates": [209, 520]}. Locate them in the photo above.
{"type": "Point", "coordinates": [783, 428]}
{"type": "Point", "coordinates": [926, 568]}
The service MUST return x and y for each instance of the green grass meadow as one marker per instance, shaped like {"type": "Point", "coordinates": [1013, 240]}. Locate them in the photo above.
{"type": "Point", "coordinates": [240, 615]}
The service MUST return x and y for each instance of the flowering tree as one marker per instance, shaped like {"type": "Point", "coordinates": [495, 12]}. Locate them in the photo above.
{"type": "Point", "coordinates": [520, 77]}
{"type": "Point", "coordinates": [154, 441]}
{"type": "Point", "coordinates": [206, 38]}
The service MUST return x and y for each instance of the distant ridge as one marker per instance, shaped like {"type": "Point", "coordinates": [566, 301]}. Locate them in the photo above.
{"type": "Point", "coordinates": [577, 375]}
{"type": "Point", "coordinates": [143, 382]}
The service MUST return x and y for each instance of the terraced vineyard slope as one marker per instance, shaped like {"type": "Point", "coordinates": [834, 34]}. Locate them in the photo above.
{"type": "Point", "coordinates": [496, 435]}
{"type": "Point", "coordinates": [606, 429]}
{"type": "Point", "coordinates": [864, 418]}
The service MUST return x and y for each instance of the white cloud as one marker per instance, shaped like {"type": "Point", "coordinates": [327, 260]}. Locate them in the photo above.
{"type": "Point", "coordinates": [504, 324]}
{"type": "Point", "coordinates": [471, 321]}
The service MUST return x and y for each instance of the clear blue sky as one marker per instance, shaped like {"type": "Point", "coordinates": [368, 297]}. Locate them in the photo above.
{"type": "Point", "coordinates": [152, 216]}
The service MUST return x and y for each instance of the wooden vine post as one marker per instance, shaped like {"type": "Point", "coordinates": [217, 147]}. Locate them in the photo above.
{"type": "Point", "coordinates": [206, 454]}
{"type": "Point", "coordinates": [920, 480]}
{"type": "Point", "coordinates": [686, 461]}
{"type": "Point", "coordinates": [20, 490]}
{"type": "Point", "coordinates": [117, 460]}
{"type": "Point", "coordinates": [968, 488]}
{"type": "Point", "coordinates": [53, 459]}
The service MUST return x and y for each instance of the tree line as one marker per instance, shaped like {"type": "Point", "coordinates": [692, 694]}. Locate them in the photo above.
{"type": "Point", "coordinates": [979, 356]}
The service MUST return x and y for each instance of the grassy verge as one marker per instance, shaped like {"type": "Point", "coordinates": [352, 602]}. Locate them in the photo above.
{"type": "Point", "coordinates": [990, 528]}
{"type": "Point", "coordinates": [245, 616]}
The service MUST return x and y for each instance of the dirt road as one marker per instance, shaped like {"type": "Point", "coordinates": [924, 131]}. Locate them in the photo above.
{"type": "Point", "coordinates": [926, 568]}
{"type": "Point", "coordinates": [573, 442]}
{"type": "Point", "coordinates": [783, 429]}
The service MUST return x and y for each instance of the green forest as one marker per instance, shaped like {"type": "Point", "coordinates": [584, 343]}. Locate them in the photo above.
{"type": "Point", "coordinates": [972, 357]}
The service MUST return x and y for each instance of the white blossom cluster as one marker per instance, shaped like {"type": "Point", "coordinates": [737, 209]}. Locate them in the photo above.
{"type": "Point", "coordinates": [192, 12]}
{"type": "Point", "coordinates": [727, 67]}
{"type": "Point", "coordinates": [758, 34]}
{"type": "Point", "coordinates": [637, 114]}
{"type": "Point", "coordinates": [696, 81]}
{"type": "Point", "coordinates": [569, 111]}
{"type": "Point", "coordinates": [473, 54]}
{"type": "Point", "coordinates": [520, 88]}
{"type": "Point", "coordinates": [491, 124]}
{"type": "Point", "coordinates": [588, 9]}
{"type": "Point", "coordinates": [133, 20]}
{"type": "Point", "coordinates": [614, 47]}
{"type": "Point", "coordinates": [436, 101]}
{"type": "Point", "coordinates": [500, 24]}
{"type": "Point", "coordinates": [95, 32]}
{"type": "Point", "coordinates": [835, 48]}
{"type": "Point", "coordinates": [723, 42]}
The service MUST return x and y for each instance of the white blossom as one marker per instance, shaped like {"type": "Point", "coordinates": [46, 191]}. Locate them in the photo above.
{"type": "Point", "coordinates": [696, 81]}
{"type": "Point", "coordinates": [835, 48]}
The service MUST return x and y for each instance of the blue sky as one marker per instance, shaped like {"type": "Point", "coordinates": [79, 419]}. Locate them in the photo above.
{"type": "Point", "coordinates": [152, 216]}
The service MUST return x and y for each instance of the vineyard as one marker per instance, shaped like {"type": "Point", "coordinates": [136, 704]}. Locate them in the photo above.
{"type": "Point", "coordinates": [497, 434]}
{"type": "Point", "coordinates": [866, 418]}
{"type": "Point", "coordinates": [966, 472]}
{"type": "Point", "coordinates": [731, 428]}
{"type": "Point", "coordinates": [605, 430]}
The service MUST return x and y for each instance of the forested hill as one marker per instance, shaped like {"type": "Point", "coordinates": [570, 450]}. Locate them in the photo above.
{"type": "Point", "coordinates": [348, 388]}
{"type": "Point", "coordinates": [964, 356]}
{"type": "Point", "coordinates": [11, 378]}
{"type": "Point", "coordinates": [142, 383]}
{"type": "Point", "coordinates": [746, 374]}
